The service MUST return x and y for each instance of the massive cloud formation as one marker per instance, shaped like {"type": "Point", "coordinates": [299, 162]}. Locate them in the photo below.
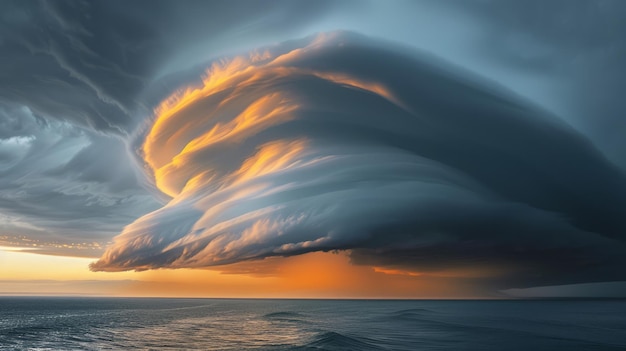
{"type": "Point", "coordinates": [338, 142]}
{"type": "Point", "coordinates": [406, 163]}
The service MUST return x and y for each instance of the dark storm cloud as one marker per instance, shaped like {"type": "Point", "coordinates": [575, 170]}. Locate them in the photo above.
{"type": "Point", "coordinates": [577, 46]}
{"type": "Point", "coordinates": [342, 143]}
{"type": "Point", "coordinates": [91, 62]}
{"type": "Point", "coordinates": [564, 55]}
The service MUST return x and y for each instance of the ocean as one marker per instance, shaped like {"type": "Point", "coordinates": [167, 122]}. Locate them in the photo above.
{"type": "Point", "coordinates": [76, 323]}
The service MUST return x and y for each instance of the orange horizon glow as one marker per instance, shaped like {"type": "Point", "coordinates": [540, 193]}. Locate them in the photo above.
{"type": "Point", "coordinates": [313, 275]}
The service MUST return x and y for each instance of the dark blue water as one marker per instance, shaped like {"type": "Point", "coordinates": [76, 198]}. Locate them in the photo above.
{"type": "Point", "coordinates": [207, 324]}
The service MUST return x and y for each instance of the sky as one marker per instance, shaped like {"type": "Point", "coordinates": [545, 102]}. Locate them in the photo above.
{"type": "Point", "coordinates": [326, 149]}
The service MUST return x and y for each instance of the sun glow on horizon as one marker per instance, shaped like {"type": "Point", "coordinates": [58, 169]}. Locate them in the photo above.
{"type": "Point", "coordinates": [314, 275]}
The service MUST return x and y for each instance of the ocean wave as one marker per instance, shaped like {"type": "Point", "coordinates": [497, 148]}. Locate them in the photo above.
{"type": "Point", "coordinates": [284, 316]}
{"type": "Point", "coordinates": [336, 341]}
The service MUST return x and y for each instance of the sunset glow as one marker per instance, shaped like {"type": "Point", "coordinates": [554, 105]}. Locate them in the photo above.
{"type": "Point", "coordinates": [325, 275]}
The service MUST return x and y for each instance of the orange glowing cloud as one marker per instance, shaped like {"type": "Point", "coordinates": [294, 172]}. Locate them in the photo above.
{"type": "Point", "coordinates": [175, 135]}
{"type": "Point", "coordinates": [181, 152]}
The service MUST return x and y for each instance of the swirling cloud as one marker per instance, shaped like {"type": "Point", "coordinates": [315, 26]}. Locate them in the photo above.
{"type": "Point", "coordinates": [77, 79]}
{"type": "Point", "coordinates": [340, 142]}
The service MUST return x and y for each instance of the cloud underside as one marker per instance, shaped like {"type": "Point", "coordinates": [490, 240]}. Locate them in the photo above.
{"type": "Point", "coordinates": [342, 143]}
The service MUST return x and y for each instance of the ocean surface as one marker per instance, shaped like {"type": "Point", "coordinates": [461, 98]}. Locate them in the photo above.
{"type": "Point", "coordinates": [55, 323]}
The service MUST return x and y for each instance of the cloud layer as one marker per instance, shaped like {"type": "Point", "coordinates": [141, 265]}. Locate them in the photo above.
{"type": "Point", "coordinates": [338, 142]}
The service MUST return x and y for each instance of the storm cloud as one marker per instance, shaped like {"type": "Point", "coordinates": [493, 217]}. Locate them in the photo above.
{"type": "Point", "coordinates": [94, 63]}
{"type": "Point", "coordinates": [426, 137]}
{"type": "Point", "coordinates": [340, 142]}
